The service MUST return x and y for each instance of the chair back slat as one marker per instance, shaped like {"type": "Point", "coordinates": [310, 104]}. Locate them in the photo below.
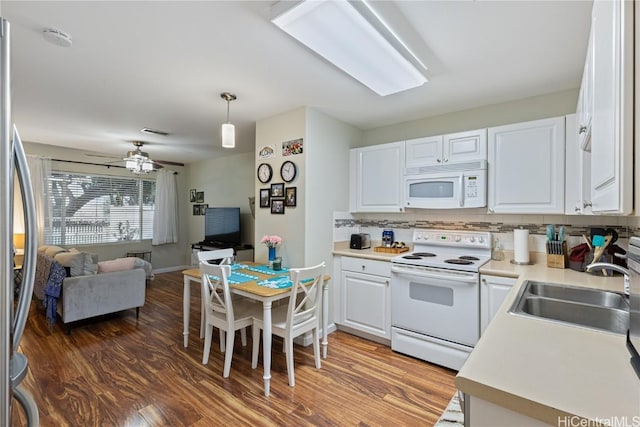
{"type": "Point", "coordinates": [306, 294]}
{"type": "Point", "coordinates": [225, 255]}
{"type": "Point", "coordinates": [215, 289]}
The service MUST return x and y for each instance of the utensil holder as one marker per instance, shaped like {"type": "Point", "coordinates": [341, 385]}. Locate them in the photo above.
{"type": "Point", "coordinates": [559, 260]}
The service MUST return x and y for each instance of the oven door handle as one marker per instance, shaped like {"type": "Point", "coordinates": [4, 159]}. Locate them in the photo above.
{"type": "Point", "coordinates": [471, 279]}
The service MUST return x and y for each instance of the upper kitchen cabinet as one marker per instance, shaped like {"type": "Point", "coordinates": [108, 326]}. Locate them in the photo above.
{"type": "Point", "coordinates": [584, 110]}
{"type": "Point", "coordinates": [452, 148]}
{"type": "Point", "coordinates": [526, 167]}
{"type": "Point", "coordinates": [577, 190]}
{"type": "Point", "coordinates": [376, 174]}
{"type": "Point", "coordinates": [612, 121]}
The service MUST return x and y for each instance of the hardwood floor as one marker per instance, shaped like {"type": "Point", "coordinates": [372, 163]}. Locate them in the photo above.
{"type": "Point", "coordinates": [123, 371]}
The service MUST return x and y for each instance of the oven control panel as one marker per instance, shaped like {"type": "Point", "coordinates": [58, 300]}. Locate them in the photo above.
{"type": "Point", "coordinates": [477, 239]}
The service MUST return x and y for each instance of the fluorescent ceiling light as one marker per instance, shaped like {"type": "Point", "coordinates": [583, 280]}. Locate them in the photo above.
{"type": "Point", "coordinates": [352, 37]}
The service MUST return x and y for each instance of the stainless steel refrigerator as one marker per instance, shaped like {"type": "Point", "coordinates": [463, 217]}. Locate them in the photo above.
{"type": "Point", "coordinates": [13, 309]}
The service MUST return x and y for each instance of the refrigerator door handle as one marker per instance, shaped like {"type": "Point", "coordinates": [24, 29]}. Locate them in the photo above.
{"type": "Point", "coordinates": [31, 239]}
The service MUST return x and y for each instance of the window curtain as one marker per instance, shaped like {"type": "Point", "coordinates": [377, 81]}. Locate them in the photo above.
{"type": "Point", "coordinates": [40, 169]}
{"type": "Point", "coordinates": [165, 218]}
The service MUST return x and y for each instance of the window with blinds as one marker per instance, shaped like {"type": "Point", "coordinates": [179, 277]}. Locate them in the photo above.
{"type": "Point", "coordinates": [92, 209]}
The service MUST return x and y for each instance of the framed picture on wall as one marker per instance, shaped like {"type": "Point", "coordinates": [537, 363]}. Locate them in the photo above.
{"type": "Point", "coordinates": [277, 206]}
{"type": "Point", "coordinates": [277, 190]}
{"type": "Point", "coordinates": [203, 209]}
{"type": "Point", "coordinates": [192, 195]}
{"type": "Point", "coordinates": [290, 196]}
{"type": "Point", "coordinates": [265, 199]}
{"type": "Point", "coordinates": [200, 197]}
{"type": "Point", "coordinates": [196, 209]}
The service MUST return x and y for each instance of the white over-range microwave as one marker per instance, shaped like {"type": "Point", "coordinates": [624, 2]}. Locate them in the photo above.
{"type": "Point", "coordinates": [447, 186]}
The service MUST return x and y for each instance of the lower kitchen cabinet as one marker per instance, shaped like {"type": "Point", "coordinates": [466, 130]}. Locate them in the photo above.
{"type": "Point", "coordinates": [365, 296]}
{"type": "Point", "coordinates": [493, 291]}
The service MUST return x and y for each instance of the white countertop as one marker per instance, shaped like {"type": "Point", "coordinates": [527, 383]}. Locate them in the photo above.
{"type": "Point", "coordinates": [547, 370]}
{"type": "Point", "coordinates": [543, 369]}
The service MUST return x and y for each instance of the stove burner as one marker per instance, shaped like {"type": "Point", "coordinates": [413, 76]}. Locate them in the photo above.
{"type": "Point", "coordinates": [458, 261]}
{"type": "Point", "coordinates": [469, 258]}
{"type": "Point", "coordinates": [423, 254]}
{"type": "Point", "coordinates": [412, 257]}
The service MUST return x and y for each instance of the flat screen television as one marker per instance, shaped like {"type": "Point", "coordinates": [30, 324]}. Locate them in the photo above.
{"type": "Point", "coordinates": [222, 226]}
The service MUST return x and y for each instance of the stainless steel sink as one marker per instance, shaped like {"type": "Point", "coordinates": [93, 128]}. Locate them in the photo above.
{"type": "Point", "coordinates": [590, 308]}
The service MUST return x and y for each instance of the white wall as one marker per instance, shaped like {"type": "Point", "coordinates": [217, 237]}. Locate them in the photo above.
{"type": "Point", "coordinates": [164, 257]}
{"type": "Point", "coordinates": [226, 182]}
{"type": "Point", "coordinates": [290, 226]}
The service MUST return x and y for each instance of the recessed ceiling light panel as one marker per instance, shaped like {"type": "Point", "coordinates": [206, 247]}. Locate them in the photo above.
{"type": "Point", "coordinates": [340, 33]}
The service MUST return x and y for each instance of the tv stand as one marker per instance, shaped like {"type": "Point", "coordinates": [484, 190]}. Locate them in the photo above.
{"type": "Point", "coordinates": [243, 253]}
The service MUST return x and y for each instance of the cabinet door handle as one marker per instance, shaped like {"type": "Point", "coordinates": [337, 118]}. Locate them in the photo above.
{"type": "Point", "coordinates": [386, 283]}
{"type": "Point", "coordinates": [490, 210]}
{"type": "Point", "coordinates": [484, 281]}
{"type": "Point", "coordinates": [439, 161]}
{"type": "Point", "coordinates": [586, 204]}
{"type": "Point", "coordinates": [363, 268]}
{"type": "Point", "coordinates": [582, 129]}
{"type": "Point", "coordinates": [446, 160]}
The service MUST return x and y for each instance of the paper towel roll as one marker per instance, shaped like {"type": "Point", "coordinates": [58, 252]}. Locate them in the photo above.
{"type": "Point", "coordinates": [521, 246]}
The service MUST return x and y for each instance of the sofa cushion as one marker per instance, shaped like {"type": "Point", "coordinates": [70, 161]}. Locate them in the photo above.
{"type": "Point", "coordinates": [52, 251]}
{"type": "Point", "coordinates": [74, 261]}
{"type": "Point", "coordinates": [79, 263]}
{"type": "Point", "coordinates": [118, 264]}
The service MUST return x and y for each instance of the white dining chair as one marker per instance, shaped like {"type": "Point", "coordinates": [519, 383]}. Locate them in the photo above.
{"type": "Point", "coordinates": [220, 257]}
{"type": "Point", "coordinates": [222, 312]}
{"type": "Point", "coordinates": [301, 315]}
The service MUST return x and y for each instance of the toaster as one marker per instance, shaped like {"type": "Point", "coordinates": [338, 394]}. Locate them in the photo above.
{"type": "Point", "coordinates": [360, 241]}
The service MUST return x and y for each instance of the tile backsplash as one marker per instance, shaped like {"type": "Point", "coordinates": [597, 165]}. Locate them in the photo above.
{"type": "Point", "coordinates": [501, 226]}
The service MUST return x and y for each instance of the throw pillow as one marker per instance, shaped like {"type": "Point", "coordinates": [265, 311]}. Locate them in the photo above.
{"type": "Point", "coordinates": [79, 263]}
{"type": "Point", "coordinates": [118, 264]}
{"type": "Point", "coordinates": [52, 251]}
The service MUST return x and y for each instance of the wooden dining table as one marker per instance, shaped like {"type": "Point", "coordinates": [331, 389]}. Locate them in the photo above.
{"type": "Point", "coordinates": [251, 289]}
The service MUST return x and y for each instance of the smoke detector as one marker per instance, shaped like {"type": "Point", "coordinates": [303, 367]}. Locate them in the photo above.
{"type": "Point", "coordinates": [57, 37]}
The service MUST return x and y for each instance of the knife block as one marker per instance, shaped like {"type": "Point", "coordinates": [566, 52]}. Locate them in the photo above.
{"type": "Point", "coordinates": [559, 260]}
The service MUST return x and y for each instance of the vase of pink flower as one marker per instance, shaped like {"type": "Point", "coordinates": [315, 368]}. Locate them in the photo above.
{"type": "Point", "coordinates": [271, 242]}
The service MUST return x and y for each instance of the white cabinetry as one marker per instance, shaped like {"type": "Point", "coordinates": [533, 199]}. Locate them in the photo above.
{"type": "Point", "coordinates": [452, 148]}
{"type": "Point", "coordinates": [526, 167]}
{"type": "Point", "coordinates": [493, 291]}
{"type": "Point", "coordinates": [612, 121]}
{"type": "Point", "coordinates": [365, 296]}
{"type": "Point", "coordinates": [584, 110]}
{"type": "Point", "coordinates": [577, 196]}
{"type": "Point", "coordinates": [376, 178]}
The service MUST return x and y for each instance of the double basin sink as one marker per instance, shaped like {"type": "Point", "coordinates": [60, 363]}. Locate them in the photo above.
{"type": "Point", "coordinates": [589, 308]}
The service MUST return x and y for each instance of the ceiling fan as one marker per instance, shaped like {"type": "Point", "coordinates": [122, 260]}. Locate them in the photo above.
{"type": "Point", "coordinates": [139, 162]}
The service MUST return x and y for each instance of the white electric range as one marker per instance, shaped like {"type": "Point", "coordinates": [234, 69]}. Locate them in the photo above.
{"type": "Point", "coordinates": [435, 295]}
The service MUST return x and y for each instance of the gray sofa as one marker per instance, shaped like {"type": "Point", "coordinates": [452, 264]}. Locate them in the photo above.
{"type": "Point", "coordinates": [87, 292]}
{"type": "Point", "coordinates": [97, 294]}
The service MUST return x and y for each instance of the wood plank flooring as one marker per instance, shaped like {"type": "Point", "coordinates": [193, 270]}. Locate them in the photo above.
{"type": "Point", "coordinates": [123, 371]}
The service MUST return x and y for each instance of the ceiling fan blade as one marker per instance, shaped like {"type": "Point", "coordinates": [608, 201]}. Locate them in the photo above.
{"type": "Point", "coordinates": [168, 163]}
{"type": "Point", "coordinates": [102, 155]}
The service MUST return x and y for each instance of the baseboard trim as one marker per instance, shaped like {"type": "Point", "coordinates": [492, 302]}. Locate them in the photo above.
{"type": "Point", "coordinates": [170, 269]}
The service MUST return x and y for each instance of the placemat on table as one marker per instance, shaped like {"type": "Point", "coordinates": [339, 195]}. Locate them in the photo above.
{"type": "Point", "coordinates": [264, 269]}
{"type": "Point", "coordinates": [237, 278]}
{"type": "Point", "coordinates": [276, 282]}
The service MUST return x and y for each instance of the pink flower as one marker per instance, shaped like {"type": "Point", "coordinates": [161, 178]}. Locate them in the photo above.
{"type": "Point", "coordinates": [271, 241]}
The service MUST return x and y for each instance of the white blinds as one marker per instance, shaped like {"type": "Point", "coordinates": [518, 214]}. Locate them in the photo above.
{"type": "Point", "coordinates": [93, 209]}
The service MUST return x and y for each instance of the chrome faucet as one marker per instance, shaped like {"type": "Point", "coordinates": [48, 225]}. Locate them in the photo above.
{"type": "Point", "coordinates": [614, 267]}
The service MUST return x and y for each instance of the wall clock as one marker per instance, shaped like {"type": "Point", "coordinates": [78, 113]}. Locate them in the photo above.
{"type": "Point", "coordinates": [288, 171]}
{"type": "Point", "coordinates": [265, 173]}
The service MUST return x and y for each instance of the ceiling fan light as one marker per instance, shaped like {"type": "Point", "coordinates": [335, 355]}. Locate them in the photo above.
{"type": "Point", "coordinates": [131, 164]}
{"type": "Point", "coordinates": [147, 166]}
{"type": "Point", "coordinates": [228, 135]}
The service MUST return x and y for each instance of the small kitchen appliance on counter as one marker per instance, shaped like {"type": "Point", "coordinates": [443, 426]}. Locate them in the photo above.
{"type": "Point", "coordinates": [360, 241]}
{"type": "Point", "coordinates": [633, 334]}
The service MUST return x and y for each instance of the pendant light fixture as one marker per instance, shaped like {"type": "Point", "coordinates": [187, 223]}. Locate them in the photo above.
{"type": "Point", "coordinates": [228, 129]}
